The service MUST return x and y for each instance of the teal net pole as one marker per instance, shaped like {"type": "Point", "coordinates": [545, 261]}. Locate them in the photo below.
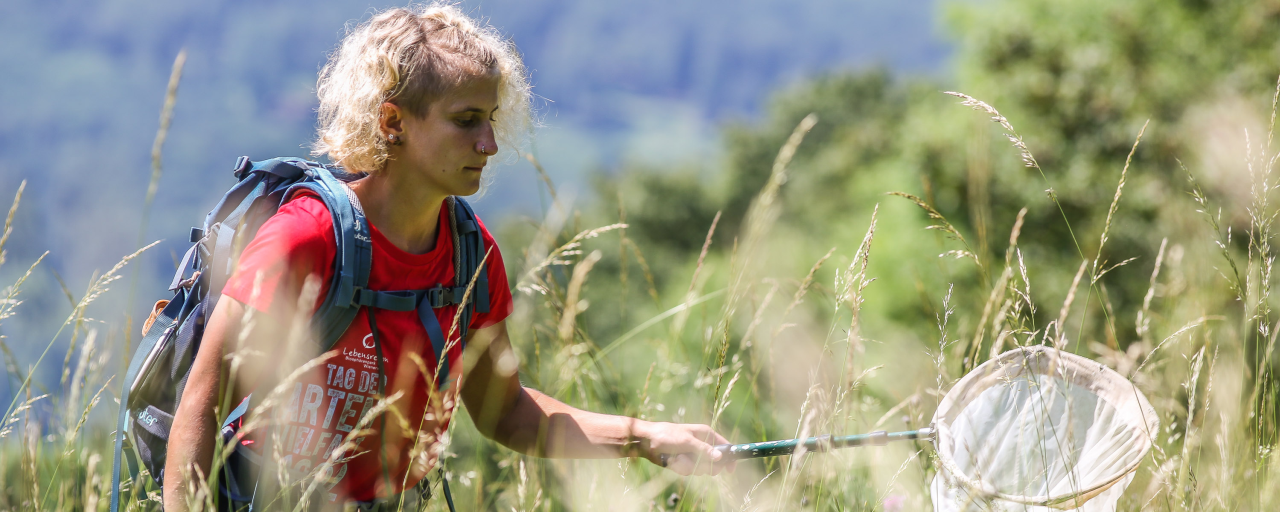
{"type": "Point", "coordinates": [819, 443]}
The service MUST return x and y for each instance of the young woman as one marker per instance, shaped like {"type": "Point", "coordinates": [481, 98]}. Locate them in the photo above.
{"type": "Point", "coordinates": [419, 100]}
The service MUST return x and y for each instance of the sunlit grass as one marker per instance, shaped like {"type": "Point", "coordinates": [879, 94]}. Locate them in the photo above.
{"type": "Point", "coordinates": [761, 354]}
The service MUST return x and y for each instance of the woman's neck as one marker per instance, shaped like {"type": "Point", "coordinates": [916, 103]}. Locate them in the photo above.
{"type": "Point", "coordinates": [408, 214]}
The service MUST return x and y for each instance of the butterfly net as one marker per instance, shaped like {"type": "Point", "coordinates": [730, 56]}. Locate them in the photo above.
{"type": "Point", "coordinates": [1038, 429]}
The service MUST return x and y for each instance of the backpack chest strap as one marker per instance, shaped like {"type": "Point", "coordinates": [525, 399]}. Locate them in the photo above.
{"type": "Point", "coordinates": [425, 302]}
{"type": "Point", "coordinates": [409, 300]}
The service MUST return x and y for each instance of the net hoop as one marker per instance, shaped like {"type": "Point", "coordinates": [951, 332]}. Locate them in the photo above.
{"type": "Point", "coordinates": [1132, 407]}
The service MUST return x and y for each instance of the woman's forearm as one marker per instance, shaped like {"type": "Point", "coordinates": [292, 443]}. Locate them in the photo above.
{"type": "Point", "coordinates": [193, 433]}
{"type": "Point", "coordinates": [530, 422]}
{"type": "Point", "coordinates": [190, 447]}
{"type": "Point", "coordinates": [542, 426]}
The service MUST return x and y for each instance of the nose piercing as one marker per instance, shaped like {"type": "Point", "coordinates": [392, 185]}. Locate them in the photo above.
{"type": "Point", "coordinates": [482, 149]}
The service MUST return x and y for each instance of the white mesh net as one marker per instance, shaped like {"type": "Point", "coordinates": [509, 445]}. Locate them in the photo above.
{"type": "Point", "coordinates": [1037, 429]}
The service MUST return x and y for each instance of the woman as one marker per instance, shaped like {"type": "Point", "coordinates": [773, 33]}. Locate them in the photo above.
{"type": "Point", "coordinates": [419, 100]}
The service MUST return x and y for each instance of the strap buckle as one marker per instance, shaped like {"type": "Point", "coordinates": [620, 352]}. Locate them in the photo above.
{"type": "Point", "coordinates": [440, 296]}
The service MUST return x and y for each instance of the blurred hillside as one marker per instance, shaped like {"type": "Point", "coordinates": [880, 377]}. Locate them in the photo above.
{"type": "Point", "coordinates": [647, 81]}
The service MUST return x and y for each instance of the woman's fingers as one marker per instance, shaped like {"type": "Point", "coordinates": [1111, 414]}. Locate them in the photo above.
{"type": "Point", "coordinates": [689, 449]}
{"type": "Point", "coordinates": [716, 438]}
{"type": "Point", "coordinates": [722, 460]}
{"type": "Point", "coordinates": [687, 464]}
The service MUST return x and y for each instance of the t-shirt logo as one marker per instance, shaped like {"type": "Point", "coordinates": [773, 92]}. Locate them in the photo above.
{"type": "Point", "coordinates": [367, 341]}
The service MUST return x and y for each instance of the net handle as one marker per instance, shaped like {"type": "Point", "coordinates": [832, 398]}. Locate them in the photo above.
{"type": "Point", "coordinates": [819, 443]}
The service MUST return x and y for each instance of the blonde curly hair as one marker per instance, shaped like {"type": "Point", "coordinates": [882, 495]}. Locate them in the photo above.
{"type": "Point", "coordinates": [411, 57]}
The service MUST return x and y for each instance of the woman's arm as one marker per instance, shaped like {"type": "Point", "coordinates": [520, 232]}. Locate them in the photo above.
{"type": "Point", "coordinates": [530, 422]}
{"type": "Point", "coordinates": [191, 438]}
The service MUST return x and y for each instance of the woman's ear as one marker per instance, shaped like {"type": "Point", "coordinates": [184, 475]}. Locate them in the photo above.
{"type": "Point", "coordinates": [391, 119]}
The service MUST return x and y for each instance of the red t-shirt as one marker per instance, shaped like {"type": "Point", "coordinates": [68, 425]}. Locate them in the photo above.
{"type": "Point", "coordinates": [326, 404]}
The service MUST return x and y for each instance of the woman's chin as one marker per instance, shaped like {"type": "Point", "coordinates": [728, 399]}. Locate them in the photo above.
{"type": "Point", "coordinates": [468, 189]}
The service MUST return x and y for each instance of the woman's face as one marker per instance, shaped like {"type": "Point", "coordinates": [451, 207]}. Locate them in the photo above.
{"type": "Point", "coordinates": [448, 147]}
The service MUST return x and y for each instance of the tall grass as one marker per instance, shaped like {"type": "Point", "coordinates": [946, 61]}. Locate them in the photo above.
{"type": "Point", "coordinates": [722, 344]}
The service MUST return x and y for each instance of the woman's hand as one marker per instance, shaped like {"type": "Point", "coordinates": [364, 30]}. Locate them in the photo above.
{"type": "Point", "coordinates": [685, 448]}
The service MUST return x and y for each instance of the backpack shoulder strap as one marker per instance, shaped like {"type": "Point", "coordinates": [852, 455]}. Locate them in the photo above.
{"type": "Point", "coordinates": [467, 254]}
{"type": "Point", "coordinates": [352, 260]}
{"type": "Point", "coordinates": [469, 251]}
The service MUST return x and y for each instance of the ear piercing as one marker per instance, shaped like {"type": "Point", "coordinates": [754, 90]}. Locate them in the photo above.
{"type": "Point", "coordinates": [393, 139]}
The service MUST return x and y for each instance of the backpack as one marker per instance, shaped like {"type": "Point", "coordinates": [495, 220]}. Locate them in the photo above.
{"type": "Point", "coordinates": [157, 373]}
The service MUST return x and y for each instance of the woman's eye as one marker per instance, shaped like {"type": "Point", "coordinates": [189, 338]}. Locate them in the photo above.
{"type": "Point", "coordinates": [466, 121]}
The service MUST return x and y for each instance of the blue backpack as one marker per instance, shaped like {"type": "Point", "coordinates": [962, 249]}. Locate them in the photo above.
{"type": "Point", "coordinates": [157, 373]}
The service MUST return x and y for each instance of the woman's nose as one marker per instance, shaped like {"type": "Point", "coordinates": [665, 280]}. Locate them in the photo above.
{"type": "Point", "coordinates": [487, 148]}
{"type": "Point", "coordinates": [488, 144]}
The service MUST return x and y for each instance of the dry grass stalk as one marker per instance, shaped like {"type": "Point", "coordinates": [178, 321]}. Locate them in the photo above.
{"type": "Point", "coordinates": [1275, 102]}
{"type": "Point", "coordinates": [759, 218]}
{"type": "Point", "coordinates": [852, 293]}
{"type": "Point", "coordinates": [166, 117]}
{"type": "Point", "coordinates": [622, 256]}
{"type": "Point", "coordinates": [910, 401]}
{"type": "Point", "coordinates": [8, 219]}
{"type": "Point", "coordinates": [1192, 325]}
{"type": "Point", "coordinates": [76, 383]}
{"type": "Point", "coordinates": [1143, 321]}
{"type": "Point", "coordinates": [724, 400]}
{"type": "Point", "coordinates": [998, 323]}
{"type": "Point", "coordinates": [324, 472]}
{"type": "Point", "coordinates": [466, 296]}
{"type": "Point", "coordinates": [803, 428]}
{"type": "Point", "coordinates": [942, 224]}
{"type": "Point", "coordinates": [259, 416]}
{"type": "Point", "coordinates": [7, 309]}
{"type": "Point", "coordinates": [572, 305]}
{"type": "Point", "coordinates": [758, 317]}
{"type": "Point", "coordinates": [802, 290]}
{"type": "Point", "coordinates": [702, 255]}
{"type": "Point", "coordinates": [1028, 159]}
{"type": "Point", "coordinates": [546, 179]}
{"type": "Point", "coordinates": [1190, 436]}
{"type": "Point", "coordinates": [764, 208]}
{"type": "Point", "coordinates": [531, 281]}
{"type": "Point", "coordinates": [1115, 203]}
{"type": "Point", "coordinates": [656, 320]}
{"type": "Point", "coordinates": [1061, 326]}
{"type": "Point", "coordinates": [644, 267]}
{"type": "Point", "coordinates": [537, 255]}
{"type": "Point", "coordinates": [997, 293]}
{"type": "Point", "coordinates": [939, 359]}
{"type": "Point", "coordinates": [96, 288]}
{"type": "Point", "coordinates": [1011, 134]}
{"type": "Point", "coordinates": [677, 325]}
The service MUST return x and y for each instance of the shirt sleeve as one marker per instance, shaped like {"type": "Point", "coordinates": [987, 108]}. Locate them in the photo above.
{"type": "Point", "coordinates": [295, 243]}
{"type": "Point", "coordinates": [500, 303]}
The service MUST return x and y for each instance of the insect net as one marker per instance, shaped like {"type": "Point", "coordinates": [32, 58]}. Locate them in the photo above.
{"type": "Point", "coordinates": [1038, 429]}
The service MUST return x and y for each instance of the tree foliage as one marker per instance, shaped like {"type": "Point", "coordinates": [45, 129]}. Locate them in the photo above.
{"type": "Point", "coordinates": [1077, 80]}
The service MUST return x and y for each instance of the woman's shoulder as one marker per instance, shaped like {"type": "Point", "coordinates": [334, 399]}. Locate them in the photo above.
{"type": "Point", "coordinates": [303, 221]}
{"type": "Point", "coordinates": [306, 210]}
